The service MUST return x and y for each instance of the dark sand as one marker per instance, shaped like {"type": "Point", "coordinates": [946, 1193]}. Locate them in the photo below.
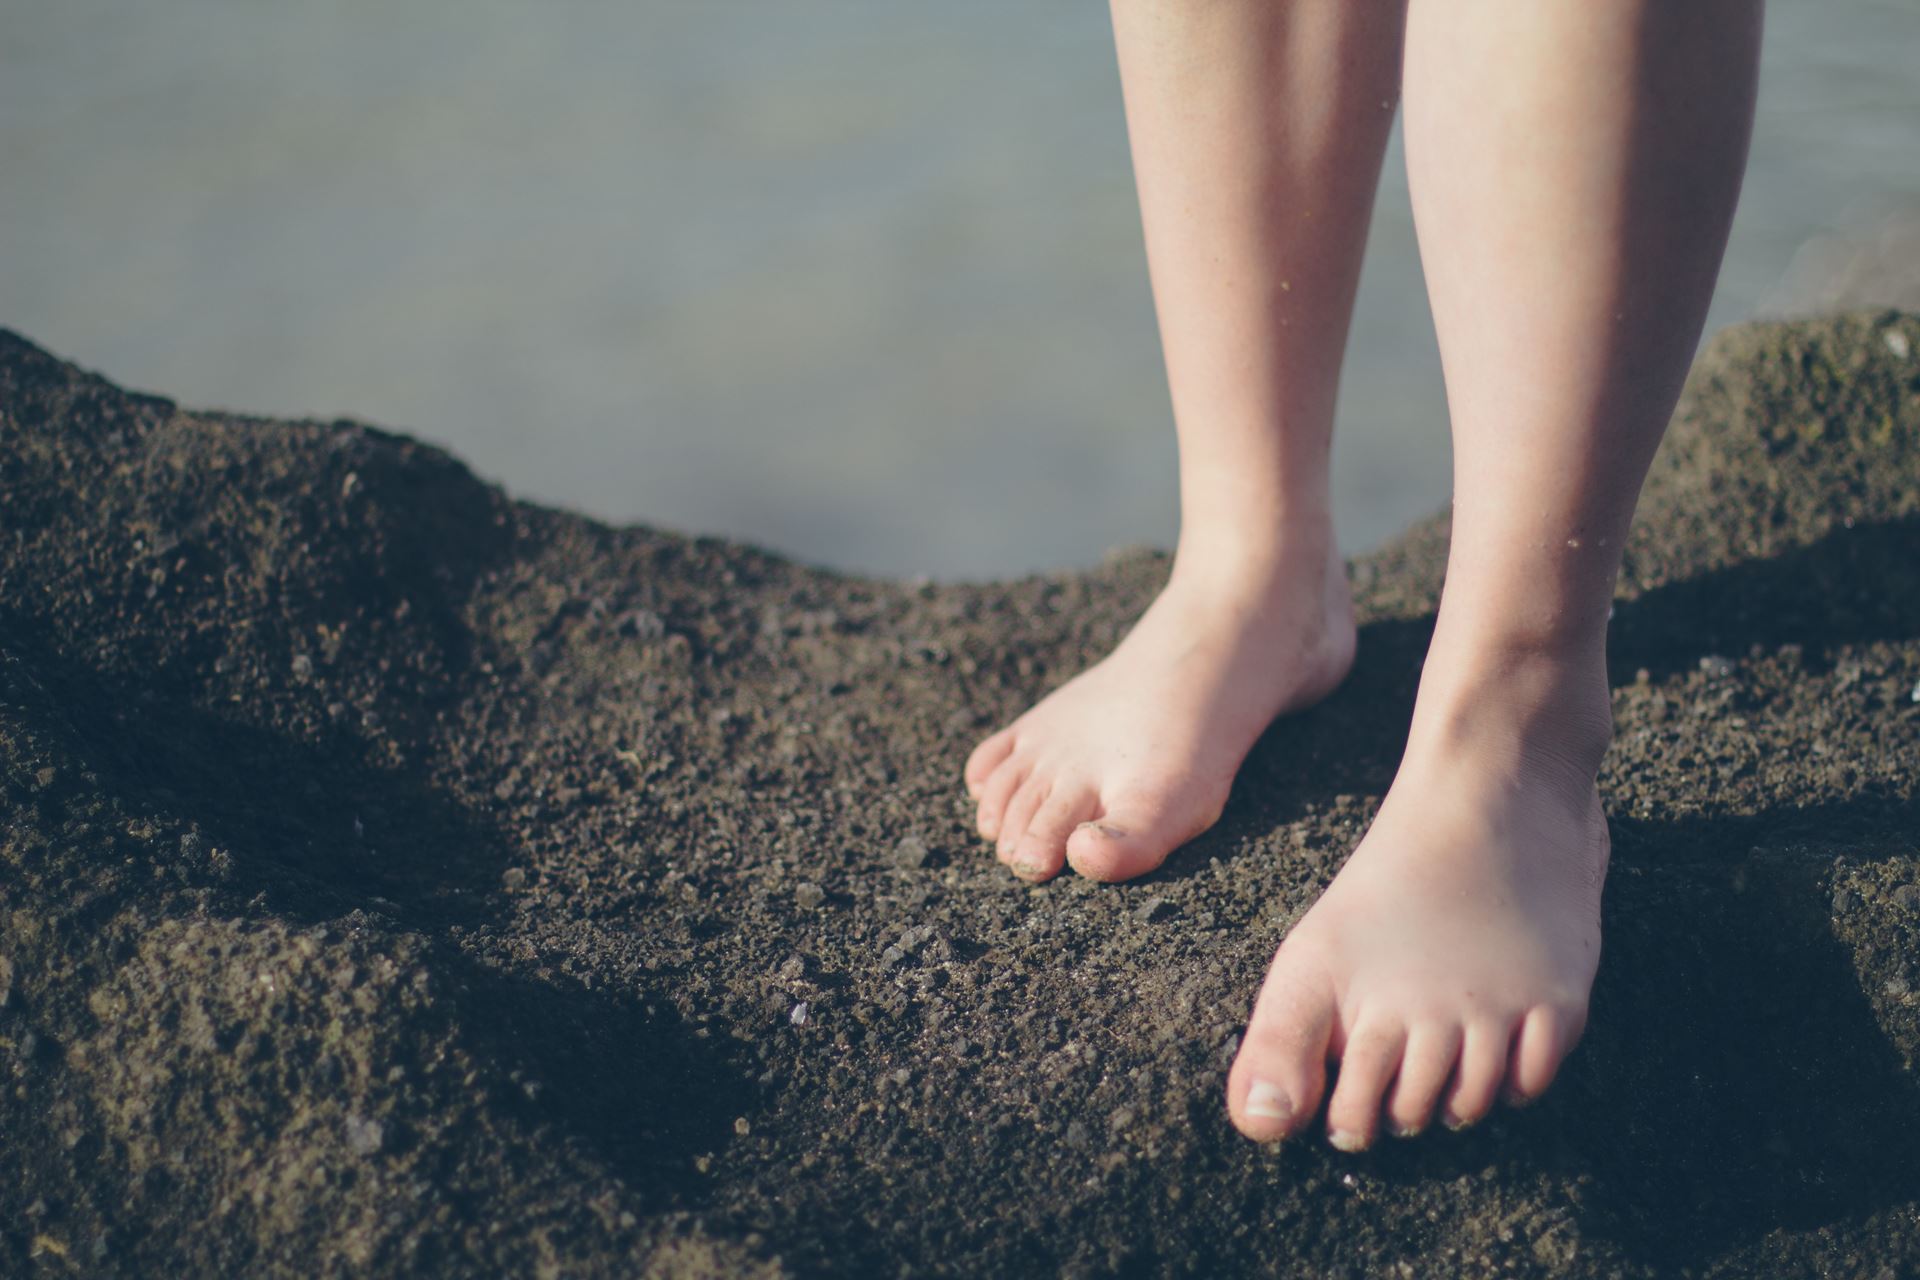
{"type": "Point", "coordinates": [399, 878]}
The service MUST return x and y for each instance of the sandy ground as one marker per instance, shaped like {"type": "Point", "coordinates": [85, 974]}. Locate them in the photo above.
{"type": "Point", "coordinates": [397, 878]}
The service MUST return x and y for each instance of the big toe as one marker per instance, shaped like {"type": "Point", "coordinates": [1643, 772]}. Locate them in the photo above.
{"type": "Point", "coordinates": [1132, 839]}
{"type": "Point", "coordinates": [1276, 1082]}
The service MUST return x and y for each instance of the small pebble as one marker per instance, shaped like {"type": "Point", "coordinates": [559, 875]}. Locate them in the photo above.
{"type": "Point", "coordinates": [365, 1136]}
{"type": "Point", "coordinates": [793, 968]}
{"type": "Point", "coordinates": [514, 878]}
{"type": "Point", "coordinates": [799, 1013]}
{"type": "Point", "coordinates": [808, 895]}
{"type": "Point", "coordinates": [903, 1076]}
{"type": "Point", "coordinates": [1716, 665]}
{"type": "Point", "coordinates": [1153, 909]}
{"type": "Point", "coordinates": [743, 1126]}
{"type": "Point", "coordinates": [1907, 896]}
{"type": "Point", "coordinates": [302, 666]}
{"type": "Point", "coordinates": [1897, 344]}
{"type": "Point", "coordinates": [1078, 1135]}
{"type": "Point", "coordinates": [1844, 900]}
{"type": "Point", "coordinates": [1915, 695]}
{"type": "Point", "coordinates": [911, 853]}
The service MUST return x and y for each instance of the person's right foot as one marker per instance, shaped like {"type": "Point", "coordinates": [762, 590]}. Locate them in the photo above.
{"type": "Point", "coordinates": [1135, 756]}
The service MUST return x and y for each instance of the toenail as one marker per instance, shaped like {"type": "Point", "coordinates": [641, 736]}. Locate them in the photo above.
{"type": "Point", "coordinates": [1111, 833]}
{"type": "Point", "coordinates": [1404, 1130]}
{"type": "Point", "coordinates": [1455, 1123]}
{"type": "Point", "coordinates": [1347, 1140]}
{"type": "Point", "coordinates": [1268, 1102]}
{"type": "Point", "coordinates": [1515, 1099]}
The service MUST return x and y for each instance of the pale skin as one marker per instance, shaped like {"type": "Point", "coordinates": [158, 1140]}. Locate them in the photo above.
{"type": "Point", "coordinates": [1574, 169]}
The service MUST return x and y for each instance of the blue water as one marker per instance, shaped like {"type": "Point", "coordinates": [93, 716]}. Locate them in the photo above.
{"type": "Point", "coordinates": [860, 281]}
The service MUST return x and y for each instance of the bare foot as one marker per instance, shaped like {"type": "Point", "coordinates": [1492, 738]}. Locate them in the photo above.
{"type": "Point", "coordinates": [1452, 956]}
{"type": "Point", "coordinates": [1134, 757]}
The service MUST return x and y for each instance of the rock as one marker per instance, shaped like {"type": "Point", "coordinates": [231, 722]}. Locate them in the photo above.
{"type": "Point", "coordinates": [742, 1126]}
{"type": "Point", "coordinates": [514, 878]}
{"type": "Point", "coordinates": [799, 1013]}
{"type": "Point", "coordinates": [1153, 909]}
{"type": "Point", "coordinates": [1079, 1137]}
{"type": "Point", "coordinates": [793, 968]}
{"type": "Point", "coordinates": [808, 895]}
{"type": "Point", "coordinates": [6, 982]}
{"type": "Point", "coordinates": [365, 1136]}
{"type": "Point", "coordinates": [1844, 900]}
{"type": "Point", "coordinates": [1717, 666]}
{"type": "Point", "coordinates": [302, 666]}
{"type": "Point", "coordinates": [641, 624]}
{"type": "Point", "coordinates": [911, 853]}
{"type": "Point", "coordinates": [1907, 896]}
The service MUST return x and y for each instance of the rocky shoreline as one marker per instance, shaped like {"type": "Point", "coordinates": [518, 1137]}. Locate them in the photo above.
{"type": "Point", "coordinates": [396, 877]}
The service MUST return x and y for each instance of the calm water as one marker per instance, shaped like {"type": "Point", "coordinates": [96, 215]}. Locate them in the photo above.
{"type": "Point", "coordinates": [861, 281]}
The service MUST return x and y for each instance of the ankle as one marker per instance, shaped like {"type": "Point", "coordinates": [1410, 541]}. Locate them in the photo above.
{"type": "Point", "coordinates": [1285, 560]}
{"type": "Point", "coordinates": [1541, 706]}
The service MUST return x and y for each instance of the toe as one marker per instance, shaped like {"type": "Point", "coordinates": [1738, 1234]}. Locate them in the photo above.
{"type": "Point", "coordinates": [1483, 1065]}
{"type": "Point", "coordinates": [1425, 1068]}
{"type": "Point", "coordinates": [994, 795]}
{"type": "Point", "coordinates": [1275, 1085]}
{"type": "Point", "coordinates": [985, 759]}
{"type": "Point", "coordinates": [1042, 851]}
{"type": "Point", "coordinates": [1129, 840]}
{"type": "Point", "coordinates": [1020, 810]}
{"type": "Point", "coordinates": [1546, 1034]}
{"type": "Point", "coordinates": [1368, 1063]}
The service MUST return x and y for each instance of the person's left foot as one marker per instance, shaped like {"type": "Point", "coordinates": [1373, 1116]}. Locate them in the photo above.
{"type": "Point", "coordinates": [1454, 953]}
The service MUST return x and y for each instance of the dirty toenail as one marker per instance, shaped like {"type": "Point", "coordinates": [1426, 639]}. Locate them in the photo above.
{"type": "Point", "coordinates": [1268, 1102]}
{"type": "Point", "coordinates": [1455, 1123]}
{"type": "Point", "coordinates": [1347, 1140]}
{"type": "Point", "coordinates": [1515, 1099]}
{"type": "Point", "coordinates": [1405, 1130]}
{"type": "Point", "coordinates": [1111, 833]}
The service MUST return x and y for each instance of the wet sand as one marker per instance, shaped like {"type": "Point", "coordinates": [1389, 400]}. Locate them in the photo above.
{"type": "Point", "coordinates": [399, 878]}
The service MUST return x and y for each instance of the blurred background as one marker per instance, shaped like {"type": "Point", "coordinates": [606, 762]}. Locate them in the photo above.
{"type": "Point", "coordinates": [860, 280]}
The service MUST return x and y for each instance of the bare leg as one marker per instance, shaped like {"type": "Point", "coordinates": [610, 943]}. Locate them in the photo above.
{"type": "Point", "coordinates": [1574, 171]}
{"type": "Point", "coordinates": [1257, 129]}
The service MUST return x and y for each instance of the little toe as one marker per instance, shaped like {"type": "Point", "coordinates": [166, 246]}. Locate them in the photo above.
{"type": "Point", "coordinates": [1368, 1063]}
{"type": "Point", "coordinates": [1042, 851]}
{"type": "Point", "coordinates": [1425, 1068]}
{"type": "Point", "coordinates": [1545, 1037]}
{"type": "Point", "coordinates": [985, 759]}
{"type": "Point", "coordinates": [1130, 840]}
{"type": "Point", "coordinates": [1275, 1085]}
{"type": "Point", "coordinates": [1483, 1065]}
{"type": "Point", "coordinates": [999, 789]}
